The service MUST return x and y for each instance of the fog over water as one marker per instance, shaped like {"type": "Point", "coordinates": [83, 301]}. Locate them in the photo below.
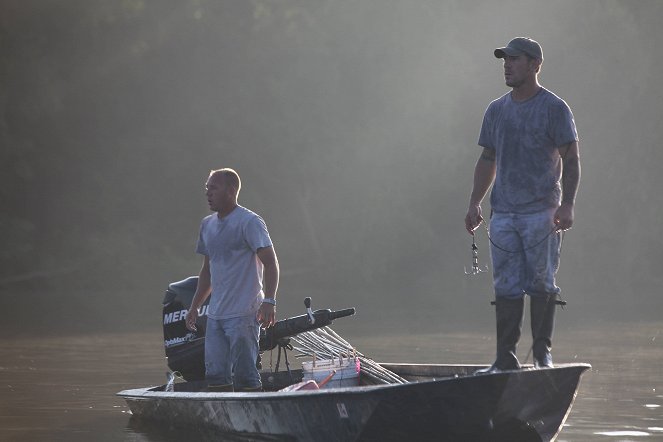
{"type": "Point", "coordinates": [353, 125]}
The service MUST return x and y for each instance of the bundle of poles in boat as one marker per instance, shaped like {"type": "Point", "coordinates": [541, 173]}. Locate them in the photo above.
{"type": "Point", "coordinates": [325, 343]}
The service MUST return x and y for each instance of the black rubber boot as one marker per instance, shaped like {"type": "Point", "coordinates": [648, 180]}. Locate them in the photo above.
{"type": "Point", "coordinates": [509, 323]}
{"type": "Point", "coordinates": [542, 309]}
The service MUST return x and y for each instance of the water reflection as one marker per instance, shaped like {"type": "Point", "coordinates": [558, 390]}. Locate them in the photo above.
{"type": "Point", "coordinates": [158, 432]}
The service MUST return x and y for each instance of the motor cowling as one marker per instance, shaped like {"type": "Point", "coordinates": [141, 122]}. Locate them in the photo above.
{"type": "Point", "coordinates": [185, 349]}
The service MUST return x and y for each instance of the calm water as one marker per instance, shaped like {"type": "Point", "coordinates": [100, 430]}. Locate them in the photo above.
{"type": "Point", "coordinates": [63, 388]}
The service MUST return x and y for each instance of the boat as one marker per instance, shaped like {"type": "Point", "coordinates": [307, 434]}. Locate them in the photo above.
{"type": "Point", "coordinates": [439, 402]}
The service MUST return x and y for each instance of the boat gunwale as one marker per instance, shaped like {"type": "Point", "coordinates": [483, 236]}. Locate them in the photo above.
{"type": "Point", "coordinates": [150, 393]}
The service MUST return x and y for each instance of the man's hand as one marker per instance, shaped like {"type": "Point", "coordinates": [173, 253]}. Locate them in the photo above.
{"type": "Point", "coordinates": [266, 315]}
{"type": "Point", "coordinates": [564, 216]}
{"type": "Point", "coordinates": [473, 218]}
{"type": "Point", "coordinates": [191, 318]}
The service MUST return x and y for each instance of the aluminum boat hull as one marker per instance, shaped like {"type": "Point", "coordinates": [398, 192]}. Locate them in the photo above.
{"type": "Point", "coordinates": [441, 403]}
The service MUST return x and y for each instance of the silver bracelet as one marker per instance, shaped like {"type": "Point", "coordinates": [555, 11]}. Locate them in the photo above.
{"type": "Point", "coordinates": [269, 301]}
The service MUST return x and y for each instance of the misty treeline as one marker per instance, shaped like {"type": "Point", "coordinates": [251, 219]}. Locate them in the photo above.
{"type": "Point", "coordinates": [352, 123]}
{"type": "Point", "coordinates": [117, 111]}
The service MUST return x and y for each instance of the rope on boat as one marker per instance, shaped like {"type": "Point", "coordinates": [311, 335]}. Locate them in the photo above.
{"type": "Point", "coordinates": [325, 343]}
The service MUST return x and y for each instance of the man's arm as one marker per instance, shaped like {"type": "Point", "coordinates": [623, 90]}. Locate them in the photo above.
{"type": "Point", "coordinates": [203, 290]}
{"type": "Point", "coordinates": [570, 179]}
{"type": "Point", "coordinates": [484, 175]}
{"type": "Point", "coordinates": [267, 312]}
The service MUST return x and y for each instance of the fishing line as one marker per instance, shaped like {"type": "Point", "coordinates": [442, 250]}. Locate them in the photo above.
{"type": "Point", "coordinates": [524, 249]}
{"type": "Point", "coordinates": [475, 258]}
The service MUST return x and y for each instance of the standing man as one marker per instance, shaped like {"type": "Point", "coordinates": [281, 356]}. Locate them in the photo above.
{"type": "Point", "coordinates": [530, 153]}
{"type": "Point", "coordinates": [238, 258]}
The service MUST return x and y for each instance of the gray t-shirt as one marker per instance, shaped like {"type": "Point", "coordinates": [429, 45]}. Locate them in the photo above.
{"type": "Point", "coordinates": [525, 136]}
{"type": "Point", "coordinates": [231, 244]}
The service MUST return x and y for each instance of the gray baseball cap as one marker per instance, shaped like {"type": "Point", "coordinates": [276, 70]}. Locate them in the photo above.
{"type": "Point", "coordinates": [519, 46]}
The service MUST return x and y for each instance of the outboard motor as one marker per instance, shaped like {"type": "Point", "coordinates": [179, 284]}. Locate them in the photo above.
{"type": "Point", "coordinates": [185, 349]}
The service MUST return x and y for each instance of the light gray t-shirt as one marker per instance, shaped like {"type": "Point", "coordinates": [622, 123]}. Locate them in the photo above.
{"type": "Point", "coordinates": [525, 136]}
{"type": "Point", "coordinates": [231, 244]}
